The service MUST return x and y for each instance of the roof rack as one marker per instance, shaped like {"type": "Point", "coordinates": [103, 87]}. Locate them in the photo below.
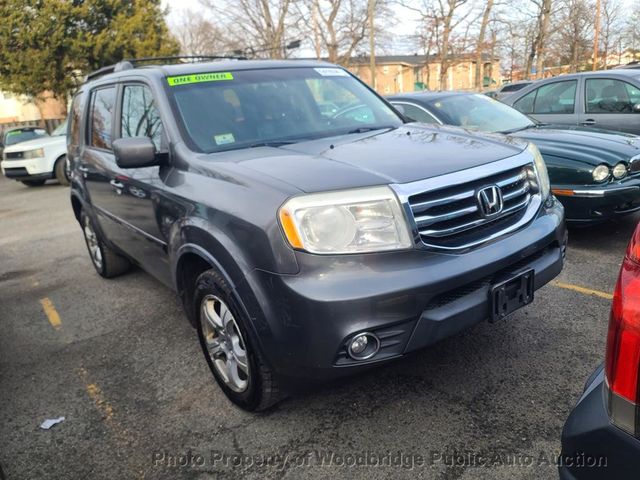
{"type": "Point", "coordinates": [130, 63]}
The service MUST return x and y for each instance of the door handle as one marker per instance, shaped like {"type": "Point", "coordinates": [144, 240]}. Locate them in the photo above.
{"type": "Point", "coordinates": [588, 121]}
{"type": "Point", "coordinates": [117, 184]}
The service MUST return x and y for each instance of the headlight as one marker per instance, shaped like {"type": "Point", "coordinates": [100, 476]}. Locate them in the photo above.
{"type": "Point", "coordinates": [619, 171]}
{"type": "Point", "coordinates": [37, 153]}
{"type": "Point", "coordinates": [348, 221]}
{"type": "Point", "coordinates": [541, 171]}
{"type": "Point", "coordinates": [601, 173]}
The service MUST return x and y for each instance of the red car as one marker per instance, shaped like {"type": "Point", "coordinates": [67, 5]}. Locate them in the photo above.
{"type": "Point", "coordinates": [601, 438]}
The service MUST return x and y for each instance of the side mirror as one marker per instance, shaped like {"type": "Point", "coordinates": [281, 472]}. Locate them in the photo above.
{"type": "Point", "coordinates": [636, 108]}
{"type": "Point", "coordinates": [137, 152]}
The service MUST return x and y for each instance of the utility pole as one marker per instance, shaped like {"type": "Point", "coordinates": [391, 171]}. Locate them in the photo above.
{"type": "Point", "coordinates": [372, 42]}
{"type": "Point", "coordinates": [596, 35]}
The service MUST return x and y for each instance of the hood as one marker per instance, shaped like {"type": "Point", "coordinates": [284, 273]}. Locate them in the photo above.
{"type": "Point", "coordinates": [36, 143]}
{"type": "Point", "coordinates": [588, 146]}
{"type": "Point", "coordinates": [406, 154]}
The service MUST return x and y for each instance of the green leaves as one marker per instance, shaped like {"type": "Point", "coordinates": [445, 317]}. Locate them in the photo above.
{"type": "Point", "coordinates": [49, 45]}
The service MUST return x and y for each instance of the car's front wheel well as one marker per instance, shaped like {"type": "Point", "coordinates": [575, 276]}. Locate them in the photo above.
{"type": "Point", "coordinates": [189, 268]}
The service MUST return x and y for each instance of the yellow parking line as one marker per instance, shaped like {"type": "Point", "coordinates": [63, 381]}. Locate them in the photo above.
{"type": "Point", "coordinates": [95, 394]}
{"type": "Point", "coordinates": [51, 312]}
{"type": "Point", "coordinates": [579, 289]}
{"type": "Point", "coordinates": [121, 436]}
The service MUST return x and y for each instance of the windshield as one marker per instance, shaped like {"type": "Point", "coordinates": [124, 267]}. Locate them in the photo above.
{"type": "Point", "coordinates": [479, 112]}
{"type": "Point", "coordinates": [16, 136]}
{"type": "Point", "coordinates": [230, 110]}
{"type": "Point", "coordinates": [60, 130]}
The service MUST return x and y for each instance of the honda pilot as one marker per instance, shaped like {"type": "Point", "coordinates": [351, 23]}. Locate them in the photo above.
{"type": "Point", "coordinates": [306, 242]}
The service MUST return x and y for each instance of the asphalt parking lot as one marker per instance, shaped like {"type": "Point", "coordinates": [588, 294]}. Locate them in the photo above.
{"type": "Point", "coordinates": [119, 361]}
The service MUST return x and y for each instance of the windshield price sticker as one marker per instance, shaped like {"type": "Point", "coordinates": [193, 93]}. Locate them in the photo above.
{"type": "Point", "coordinates": [199, 78]}
{"type": "Point", "coordinates": [332, 72]}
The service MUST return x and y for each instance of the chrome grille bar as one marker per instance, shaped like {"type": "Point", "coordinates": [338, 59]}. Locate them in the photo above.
{"type": "Point", "coordinates": [446, 212]}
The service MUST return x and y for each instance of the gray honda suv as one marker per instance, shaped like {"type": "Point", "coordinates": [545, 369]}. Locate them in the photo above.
{"type": "Point", "coordinates": [306, 243]}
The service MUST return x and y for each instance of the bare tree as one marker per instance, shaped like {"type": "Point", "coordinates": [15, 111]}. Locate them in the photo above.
{"type": "Point", "coordinates": [575, 22]}
{"type": "Point", "coordinates": [198, 35]}
{"type": "Point", "coordinates": [259, 25]}
{"type": "Point", "coordinates": [444, 16]}
{"type": "Point", "coordinates": [543, 17]}
{"type": "Point", "coordinates": [480, 45]}
{"type": "Point", "coordinates": [342, 25]}
{"type": "Point", "coordinates": [611, 28]}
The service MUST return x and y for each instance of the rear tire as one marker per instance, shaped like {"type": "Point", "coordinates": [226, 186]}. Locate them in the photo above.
{"type": "Point", "coordinates": [107, 263]}
{"type": "Point", "coordinates": [33, 183]}
{"type": "Point", "coordinates": [229, 348]}
{"type": "Point", "coordinates": [60, 171]}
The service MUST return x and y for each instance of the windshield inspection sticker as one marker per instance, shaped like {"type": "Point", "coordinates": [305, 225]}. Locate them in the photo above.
{"type": "Point", "coordinates": [224, 139]}
{"type": "Point", "coordinates": [331, 72]}
{"type": "Point", "coordinates": [199, 78]}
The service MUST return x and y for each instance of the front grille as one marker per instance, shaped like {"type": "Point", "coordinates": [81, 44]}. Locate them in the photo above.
{"type": "Point", "coordinates": [450, 217]}
{"type": "Point", "coordinates": [14, 155]}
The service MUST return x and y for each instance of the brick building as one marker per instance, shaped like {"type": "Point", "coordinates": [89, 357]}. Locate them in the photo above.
{"type": "Point", "coordinates": [408, 73]}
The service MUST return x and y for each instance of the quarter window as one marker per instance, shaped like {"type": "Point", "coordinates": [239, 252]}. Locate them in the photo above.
{"type": "Point", "coordinates": [525, 104]}
{"type": "Point", "coordinates": [102, 107]}
{"type": "Point", "coordinates": [140, 116]}
{"type": "Point", "coordinates": [606, 95]}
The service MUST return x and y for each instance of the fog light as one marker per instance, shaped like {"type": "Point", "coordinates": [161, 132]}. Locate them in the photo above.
{"type": "Point", "coordinates": [363, 346]}
{"type": "Point", "coordinates": [358, 344]}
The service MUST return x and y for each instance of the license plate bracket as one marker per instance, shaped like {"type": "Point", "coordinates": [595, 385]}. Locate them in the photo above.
{"type": "Point", "coordinates": [511, 294]}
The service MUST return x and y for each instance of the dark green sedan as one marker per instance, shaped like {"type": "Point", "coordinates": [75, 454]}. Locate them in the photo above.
{"type": "Point", "coordinates": [594, 173]}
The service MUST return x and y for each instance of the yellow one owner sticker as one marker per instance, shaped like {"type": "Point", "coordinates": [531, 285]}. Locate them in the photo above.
{"type": "Point", "coordinates": [199, 78]}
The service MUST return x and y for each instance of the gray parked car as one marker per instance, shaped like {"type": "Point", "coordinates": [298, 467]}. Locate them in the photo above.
{"type": "Point", "coordinates": [306, 242]}
{"type": "Point", "coordinates": [607, 99]}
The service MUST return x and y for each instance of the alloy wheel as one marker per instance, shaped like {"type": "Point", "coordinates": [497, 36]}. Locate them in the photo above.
{"type": "Point", "coordinates": [224, 343]}
{"type": "Point", "coordinates": [93, 243]}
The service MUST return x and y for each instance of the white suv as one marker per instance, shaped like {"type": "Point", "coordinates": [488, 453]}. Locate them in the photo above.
{"type": "Point", "coordinates": [35, 161]}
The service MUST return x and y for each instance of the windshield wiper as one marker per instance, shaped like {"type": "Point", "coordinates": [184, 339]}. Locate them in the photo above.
{"type": "Point", "coordinates": [370, 129]}
{"type": "Point", "coordinates": [274, 143]}
{"type": "Point", "coordinates": [519, 129]}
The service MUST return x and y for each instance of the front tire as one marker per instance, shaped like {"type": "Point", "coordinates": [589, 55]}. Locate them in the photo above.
{"type": "Point", "coordinates": [228, 347]}
{"type": "Point", "coordinates": [61, 172]}
{"type": "Point", "coordinates": [107, 263]}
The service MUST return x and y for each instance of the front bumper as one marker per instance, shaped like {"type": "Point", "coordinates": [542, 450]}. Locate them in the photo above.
{"type": "Point", "coordinates": [410, 299]}
{"type": "Point", "coordinates": [593, 448]}
{"type": "Point", "coordinates": [31, 169]}
{"type": "Point", "coordinates": [592, 204]}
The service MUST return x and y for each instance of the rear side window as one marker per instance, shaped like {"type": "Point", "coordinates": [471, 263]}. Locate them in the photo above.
{"type": "Point", "coordinates": [606, 95]}
{"type": "Point", "coordinates": [140, 116]}
{"type": "Point", "coordinates": [102, 106]}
